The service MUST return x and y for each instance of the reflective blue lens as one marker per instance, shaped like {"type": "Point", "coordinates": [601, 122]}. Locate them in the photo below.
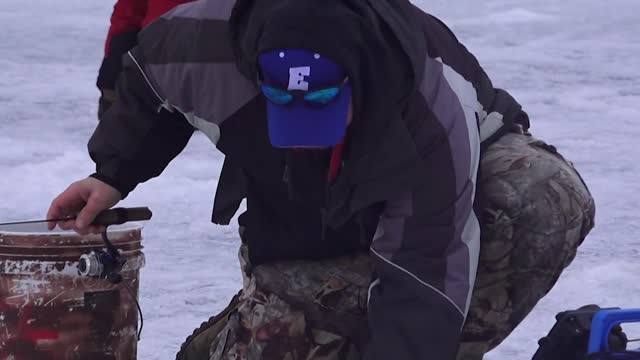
{"type": "Point", "coordinates": [323, 96]}
{"type": "Point", "coordinates": [277, 96]}
{"type": "Point", "coordinates": [284, 97]}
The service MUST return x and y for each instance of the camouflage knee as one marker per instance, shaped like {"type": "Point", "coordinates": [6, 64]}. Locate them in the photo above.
{"type": "Point", "coordinates": [297, 309]}
{"type": "Point", "coordinates": [536, 212]}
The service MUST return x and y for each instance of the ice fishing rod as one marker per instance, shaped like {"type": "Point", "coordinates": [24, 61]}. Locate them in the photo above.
{"type": "Point", "coordinates": [105, 264]}
{"type": "Point", "coordinates": [115, 216]}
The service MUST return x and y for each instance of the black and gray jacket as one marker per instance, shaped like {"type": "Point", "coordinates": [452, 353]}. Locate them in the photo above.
{"type": "Point", "coordinates": [423, 110]}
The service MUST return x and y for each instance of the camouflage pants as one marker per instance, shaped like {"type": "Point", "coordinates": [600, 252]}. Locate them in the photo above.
{"type": "Point", "coordinates": [297, 310]}
{"type": "Point", "coordinates": [535, 213]}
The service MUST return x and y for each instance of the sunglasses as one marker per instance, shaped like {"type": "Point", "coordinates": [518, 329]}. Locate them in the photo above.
{"type": "Point", "coordinates": [318, 97]}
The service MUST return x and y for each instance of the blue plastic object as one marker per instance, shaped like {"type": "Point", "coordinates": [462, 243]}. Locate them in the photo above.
{"type": "Point", "coordinates": [602, 323]}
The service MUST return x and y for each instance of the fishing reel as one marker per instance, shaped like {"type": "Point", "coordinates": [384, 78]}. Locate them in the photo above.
{"type": "Point", "coordinates": [102, 264]}
{"type": "Point", "coordinates": [107, 263]}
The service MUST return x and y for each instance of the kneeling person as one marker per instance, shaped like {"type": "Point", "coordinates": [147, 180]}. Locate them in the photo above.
{"type": "Point", "coordinates": [393, 194]}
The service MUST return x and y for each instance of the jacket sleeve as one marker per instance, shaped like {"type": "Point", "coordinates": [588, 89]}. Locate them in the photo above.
{"type": "Point", "coordinates": [425, 252]}
{"type": "Point", "coordinates": [137, 137]}
{"type": "Point", "coordinates": [126, 22]}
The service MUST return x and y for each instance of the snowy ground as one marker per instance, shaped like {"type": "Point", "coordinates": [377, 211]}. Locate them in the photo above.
{"type": "Point", "coordinates": [572, 64]}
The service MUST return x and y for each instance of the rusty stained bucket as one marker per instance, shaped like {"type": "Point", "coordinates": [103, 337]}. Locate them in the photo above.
{"type": "Point", "coordinates": [49, 312]}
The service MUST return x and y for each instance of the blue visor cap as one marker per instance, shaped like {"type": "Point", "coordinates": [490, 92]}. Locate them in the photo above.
{"type": "Point", "coordinates": [307, 98]}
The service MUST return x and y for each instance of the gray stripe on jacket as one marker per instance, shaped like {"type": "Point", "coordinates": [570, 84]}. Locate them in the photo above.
{"type": "Point", "coordinates": [452, 98]}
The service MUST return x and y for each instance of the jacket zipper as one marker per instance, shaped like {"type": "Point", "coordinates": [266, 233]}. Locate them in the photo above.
{"type": "Point", "coordinates": [163, 102]}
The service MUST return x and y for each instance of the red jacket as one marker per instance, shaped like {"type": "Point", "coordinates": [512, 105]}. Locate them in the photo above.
{"type": "Point", "coordinates": [128, 17]}
{"type": "Point", "coordinates": [133, 15]}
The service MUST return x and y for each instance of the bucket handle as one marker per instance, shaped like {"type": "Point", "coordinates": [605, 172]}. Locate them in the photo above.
{"type": "Point", "coordinates": [602, 323]}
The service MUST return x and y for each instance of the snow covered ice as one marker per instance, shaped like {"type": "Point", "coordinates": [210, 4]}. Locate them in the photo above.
{"type": "Point", "coordinates": [574, 65]}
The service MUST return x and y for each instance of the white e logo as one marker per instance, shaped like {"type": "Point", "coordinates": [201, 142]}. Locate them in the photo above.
{"type": "Point", "coordinates": [296, 78]}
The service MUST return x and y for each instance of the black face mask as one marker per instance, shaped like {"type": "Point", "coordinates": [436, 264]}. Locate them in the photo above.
{"type": "Point", "coordinates": [306, 175]}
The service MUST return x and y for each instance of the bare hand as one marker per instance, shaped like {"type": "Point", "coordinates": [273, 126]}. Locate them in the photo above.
{"type": "Point", "coordinates": [85, 198]}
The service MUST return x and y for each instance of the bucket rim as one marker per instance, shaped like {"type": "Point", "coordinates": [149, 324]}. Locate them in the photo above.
{"type": "Point", "coordinates": [112, 230]}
